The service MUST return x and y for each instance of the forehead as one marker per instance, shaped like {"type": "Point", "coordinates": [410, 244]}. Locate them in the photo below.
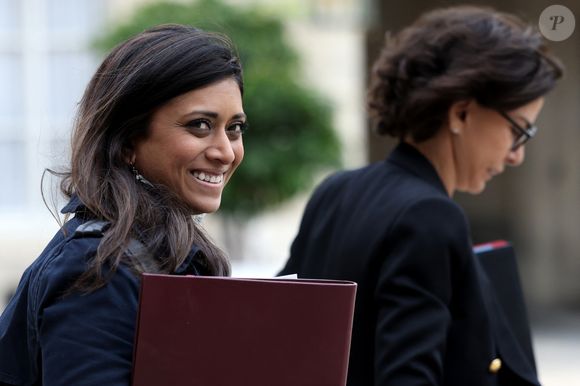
{"type": "Point", "coordinates": [529, 111]}
{"type": "Point", "coordinates": [224, 92]}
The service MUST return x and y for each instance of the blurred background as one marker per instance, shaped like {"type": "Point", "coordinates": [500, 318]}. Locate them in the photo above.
{"type": "Point", "coordinates": [306, 64]}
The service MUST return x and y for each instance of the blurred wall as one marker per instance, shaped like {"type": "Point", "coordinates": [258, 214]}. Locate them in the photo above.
{"type": "Point", "coordinates": [537, 205]}
{"type": "Point", "coordinates": [45, 62]}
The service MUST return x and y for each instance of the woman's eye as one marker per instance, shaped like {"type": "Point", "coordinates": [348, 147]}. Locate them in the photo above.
{"type": "Point", "coordinates": [237, 129]}
{"type": "Point", "coordinates": [199, 126]}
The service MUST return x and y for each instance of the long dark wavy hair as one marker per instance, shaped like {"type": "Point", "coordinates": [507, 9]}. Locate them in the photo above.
{"type": "Point", "coordinates": [453, 54]}
{"type": "Point", "coordinates": [137, 77]}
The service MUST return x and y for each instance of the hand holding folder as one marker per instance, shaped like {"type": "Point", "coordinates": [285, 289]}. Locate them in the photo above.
{"type": "Point", "coordinates": [214, 331]}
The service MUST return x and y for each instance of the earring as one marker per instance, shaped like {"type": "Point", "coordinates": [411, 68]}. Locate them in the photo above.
{"type": "Point", "coordinates": [138, 176]}
{"type": "Point", "coordinates": [455, 130]}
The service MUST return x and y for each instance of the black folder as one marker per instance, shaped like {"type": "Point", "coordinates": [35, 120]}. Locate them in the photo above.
{"type": "Point", "coordinates": [499, 262]}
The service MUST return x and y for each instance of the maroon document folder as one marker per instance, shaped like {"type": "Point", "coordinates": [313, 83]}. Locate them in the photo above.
{"type": "Point", "coordinates": [211, 331]}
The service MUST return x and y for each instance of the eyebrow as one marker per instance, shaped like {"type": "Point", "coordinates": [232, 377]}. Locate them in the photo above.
{"type": "Point", "coordinates": [214, 115]}
{"type": "Point", "coordinates": [527, 124]}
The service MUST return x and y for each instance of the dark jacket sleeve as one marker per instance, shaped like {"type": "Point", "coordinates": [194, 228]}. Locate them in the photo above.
{"type": "Point", "coordinates": [85, 339]}
{"type": "Point", "coordinates": [426, 250]}
{"type": "Point", "coordinates": [17, 360]}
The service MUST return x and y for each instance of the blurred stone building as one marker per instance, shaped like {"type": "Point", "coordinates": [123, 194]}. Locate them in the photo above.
{"type": "Point", "coordinates": [45, 61]}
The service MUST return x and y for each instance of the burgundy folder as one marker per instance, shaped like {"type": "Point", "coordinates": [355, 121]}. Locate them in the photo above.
{"type": "Point", "coordinates": [212, 331]}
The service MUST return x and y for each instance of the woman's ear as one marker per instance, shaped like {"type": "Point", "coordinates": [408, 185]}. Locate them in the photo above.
{"type": "Point", "coordinates": [457, 115]}
{"type": "Point", "coordinates": [129, 154]}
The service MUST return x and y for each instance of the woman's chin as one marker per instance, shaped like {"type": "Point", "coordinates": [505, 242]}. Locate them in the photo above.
{"type": "Point", "coordinates": [473, 188]}
{"type": "Point", "coordinates": [204, 206]}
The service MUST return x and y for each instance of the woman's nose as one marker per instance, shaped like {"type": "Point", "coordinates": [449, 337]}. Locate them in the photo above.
{"type": "Point", "coordinates": [221, 148]}
{"type": "Point", "coordinates": [516, 157]}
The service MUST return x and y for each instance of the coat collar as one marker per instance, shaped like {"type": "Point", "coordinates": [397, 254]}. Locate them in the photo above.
{"type": "Point", "coordinates": [411, 159]}
{"type": "Point", "coordinates": [192, 264]}
{"type": "Point", "coordinates": [74, 205]}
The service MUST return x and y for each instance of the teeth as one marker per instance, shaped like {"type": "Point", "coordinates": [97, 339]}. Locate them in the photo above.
{"type": "Point", "coordinates": [212, 179]}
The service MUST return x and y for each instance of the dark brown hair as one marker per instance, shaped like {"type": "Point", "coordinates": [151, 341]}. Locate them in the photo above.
{"type": "Point", "coordinates": [454, 54]}
{"type": "Point", "coordinates": [137, 77]}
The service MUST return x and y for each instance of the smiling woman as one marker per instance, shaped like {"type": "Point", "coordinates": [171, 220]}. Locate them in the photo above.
{"type": "Point", "coordinates": [194, 144]}
{"type": "Point", "coordinates": [158, 135]}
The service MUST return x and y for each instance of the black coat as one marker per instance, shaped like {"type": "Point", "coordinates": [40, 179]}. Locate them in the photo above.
{"type": "Point", "coordinates": [424, 314]}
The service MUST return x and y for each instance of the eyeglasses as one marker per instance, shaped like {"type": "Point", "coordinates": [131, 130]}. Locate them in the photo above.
{"type": "Point", "coordinates": [521, 134]}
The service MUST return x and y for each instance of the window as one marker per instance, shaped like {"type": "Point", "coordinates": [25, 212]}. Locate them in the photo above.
{"type": "Point", "coordinates": [45, 63]}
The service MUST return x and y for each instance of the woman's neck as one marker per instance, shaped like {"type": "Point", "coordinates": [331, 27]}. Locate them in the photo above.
{"type": "Point", "coordinates": [439, 151]}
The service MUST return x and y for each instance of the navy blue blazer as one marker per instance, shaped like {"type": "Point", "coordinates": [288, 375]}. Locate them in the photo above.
{"type": "Point", "coordinates": [425, 314]}
{"type": "Point", "coordinates": [49, 338]}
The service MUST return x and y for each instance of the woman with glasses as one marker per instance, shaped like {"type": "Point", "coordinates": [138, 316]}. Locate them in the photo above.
{"type": "Point", "coordinates": [460, 89]}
